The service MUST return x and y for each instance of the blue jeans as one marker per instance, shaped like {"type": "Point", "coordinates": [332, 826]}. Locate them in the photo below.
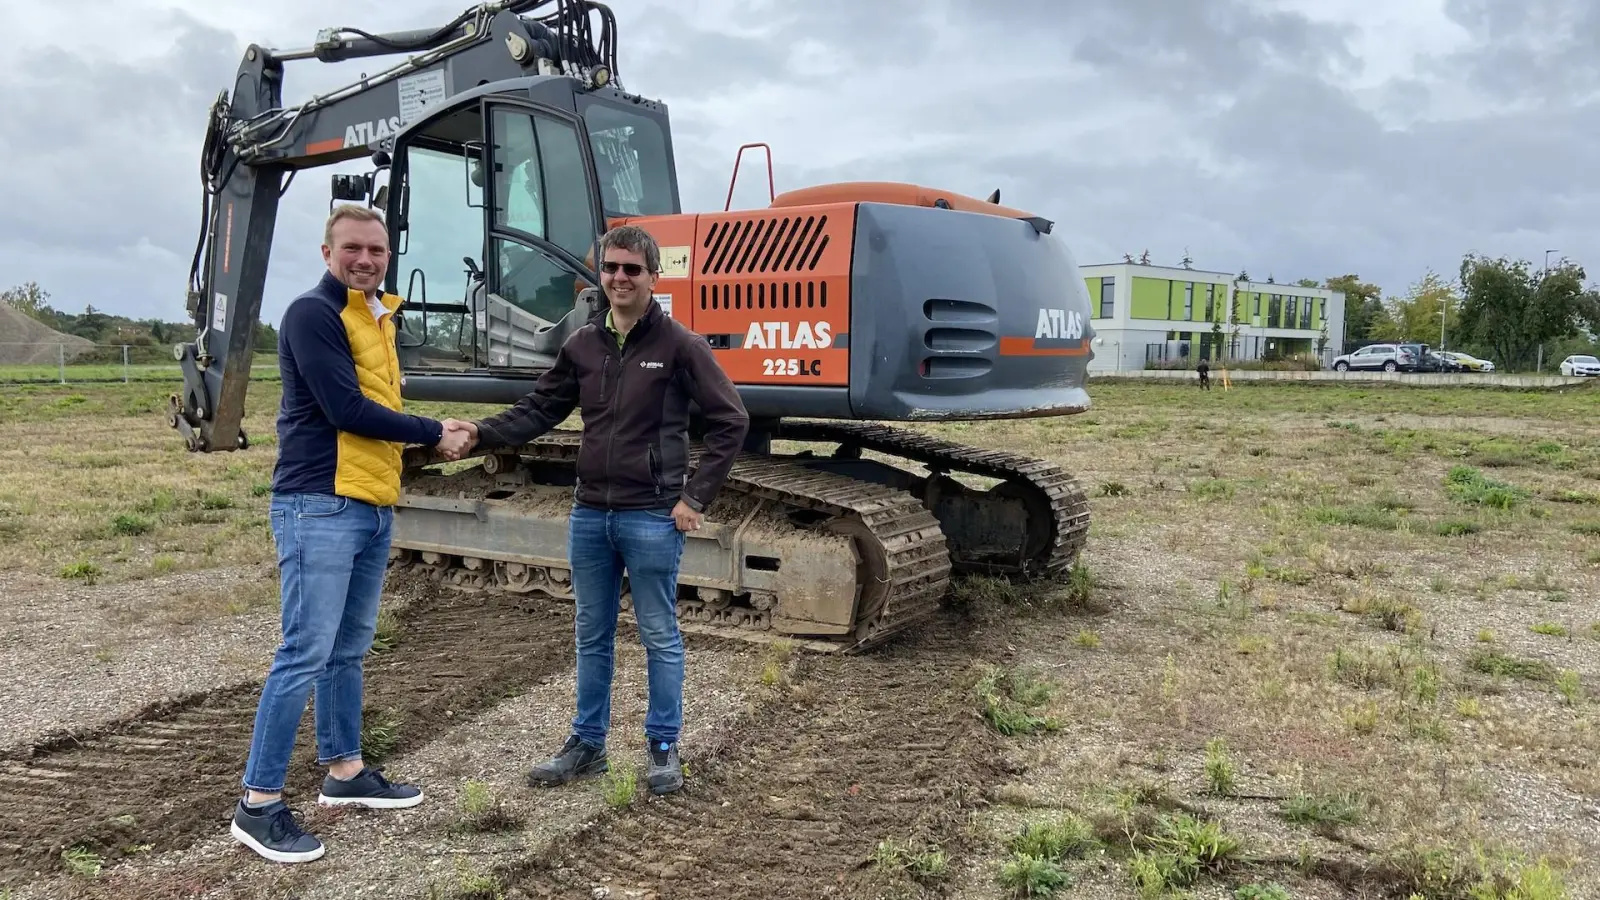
{"type": "Point", "coordinates": [649, 545]}
{"type": "Point", "coordinates": [333, 553]}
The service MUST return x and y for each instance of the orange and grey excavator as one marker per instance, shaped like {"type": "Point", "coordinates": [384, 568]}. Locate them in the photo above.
{"type": "Point", "coordinates": [506, 145]}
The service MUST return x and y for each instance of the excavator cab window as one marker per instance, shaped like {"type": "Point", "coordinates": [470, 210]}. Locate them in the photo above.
{"type": "Point", "coordinates": [444, 228]}
{"type": "Point", "coordinates": [541, 188]}
{"type": "Point", "coordinates": [630, 158]}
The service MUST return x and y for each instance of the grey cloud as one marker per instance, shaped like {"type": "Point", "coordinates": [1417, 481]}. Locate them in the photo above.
{"type": "Point", "coordinates": [1222, 127]}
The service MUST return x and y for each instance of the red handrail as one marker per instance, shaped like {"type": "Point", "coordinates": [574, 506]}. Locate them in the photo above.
{"type": "Point", "coordinates": [772, 191]}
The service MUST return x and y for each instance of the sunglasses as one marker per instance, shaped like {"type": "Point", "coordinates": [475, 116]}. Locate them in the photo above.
{"type": "Point", "coordinates": [634, 270]}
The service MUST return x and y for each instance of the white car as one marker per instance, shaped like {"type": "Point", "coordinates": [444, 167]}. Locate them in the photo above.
{"type": "Point", "coordinates": [1580, 365]}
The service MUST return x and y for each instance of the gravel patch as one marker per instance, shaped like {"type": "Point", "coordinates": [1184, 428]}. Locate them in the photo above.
{"type": "Point", "coordinates": [73, 655]}
{"type": "Point", "coordinates": [406, 852]}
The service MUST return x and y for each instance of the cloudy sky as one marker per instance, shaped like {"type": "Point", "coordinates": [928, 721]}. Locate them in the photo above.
{"type": "Point", "coordinates": [1297, 138]}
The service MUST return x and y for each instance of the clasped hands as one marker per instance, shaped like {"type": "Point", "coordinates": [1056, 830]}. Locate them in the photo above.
{"type": "Point", "coordinates": [459, 438]}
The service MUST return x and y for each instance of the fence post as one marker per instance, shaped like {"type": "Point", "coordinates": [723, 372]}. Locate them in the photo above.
{"type": "Point", "coordinates": [61, 361]}
{"type": "Point", "coordinates": [124, 363]}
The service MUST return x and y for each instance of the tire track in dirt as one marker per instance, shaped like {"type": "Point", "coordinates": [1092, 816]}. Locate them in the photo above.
{"type": "Point", "coordinates": [163, 779]}
{"type": "Point", "coordinates": [861, 749]}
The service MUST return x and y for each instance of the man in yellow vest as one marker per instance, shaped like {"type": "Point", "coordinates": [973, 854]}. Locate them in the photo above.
{"type": "Point", "coordinates": [334, 486]}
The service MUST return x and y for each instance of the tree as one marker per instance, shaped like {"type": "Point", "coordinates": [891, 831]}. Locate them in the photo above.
{"type": "Point", "coordinates": [30, 300]}
{"type": "Point", "coordinates": [1416, 316]}
{"type": "Point", "coordinates": [1510, 309]}
{"type": "Point", "coordinates": [1362, 306]}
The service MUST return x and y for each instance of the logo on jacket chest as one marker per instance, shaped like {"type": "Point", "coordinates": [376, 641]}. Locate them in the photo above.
{"type": "Point", "coordinates": [651, 364]}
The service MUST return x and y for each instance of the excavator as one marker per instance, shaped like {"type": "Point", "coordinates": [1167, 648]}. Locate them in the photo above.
{"type": "Point", "coordinates": [501, 148]}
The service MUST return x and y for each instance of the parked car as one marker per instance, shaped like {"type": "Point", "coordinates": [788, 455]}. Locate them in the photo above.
{"type": "Point", "coordinates": [1388, 357]}
{"type": "Point", "coordinates": [1580, 365]}
{"type": "Point", "coordinates": [1428, 360]}
{"type": "Point", "coordinates": [1467, 361]}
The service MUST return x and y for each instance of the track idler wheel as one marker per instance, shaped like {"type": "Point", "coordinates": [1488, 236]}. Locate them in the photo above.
{"type": "Point", "coordinates": [872, 574]}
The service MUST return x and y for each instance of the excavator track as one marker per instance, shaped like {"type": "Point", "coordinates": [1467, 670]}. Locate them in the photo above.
{"type": "Point", "coordinates": [901, 573]}
{"type": "Point", "coordinates": [1056, 508]}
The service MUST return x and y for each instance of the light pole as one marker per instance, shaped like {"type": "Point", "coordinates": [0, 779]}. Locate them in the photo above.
{"type": "Point", "coordinates": [1538, 365]}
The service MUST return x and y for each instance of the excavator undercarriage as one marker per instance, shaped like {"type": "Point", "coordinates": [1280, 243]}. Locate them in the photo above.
{"type": "Point", "coordinates": [834, 552]}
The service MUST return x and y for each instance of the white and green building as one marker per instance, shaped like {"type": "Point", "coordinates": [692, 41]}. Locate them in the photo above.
{"type": "Point", "coordinates": [1144, 314]}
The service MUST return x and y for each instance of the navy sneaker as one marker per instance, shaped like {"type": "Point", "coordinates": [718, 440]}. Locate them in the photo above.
{"type": "Point", "coordinates": [370, 789]}
{"type": "Point", "coordinates": [273, 832]}
{"type": "Point", "coordinates": [664, 773]}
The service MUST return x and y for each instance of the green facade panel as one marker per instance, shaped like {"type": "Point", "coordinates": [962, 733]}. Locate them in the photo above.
{"type": "Point", "coordinates": [1149, 298]}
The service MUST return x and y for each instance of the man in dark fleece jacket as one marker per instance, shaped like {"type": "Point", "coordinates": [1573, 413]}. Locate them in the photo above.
{"type": "Point", "coordinates": [340, 436]}
{"type": "Point", "coordinates": [633, 371]}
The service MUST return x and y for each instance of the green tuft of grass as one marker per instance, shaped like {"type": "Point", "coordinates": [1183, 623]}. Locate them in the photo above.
{"type": "Point", "coordinates": [1470, 486]}
{"type": "Point", "coordinates": [1008, 700]}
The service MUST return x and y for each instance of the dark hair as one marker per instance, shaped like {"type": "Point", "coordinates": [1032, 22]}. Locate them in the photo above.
{"type": "Point", "coordinates": [634, 239]}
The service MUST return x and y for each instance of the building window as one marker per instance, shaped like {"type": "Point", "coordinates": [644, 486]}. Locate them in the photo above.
{"type": "Point", "coordinates": [1108, 297]}
{"type": "Point", "coordinates": [1211, 302]}
{"type": "Point", "coordinates": [1188, 302]}
{"type": "Point", "coordinates": [1294, 307]}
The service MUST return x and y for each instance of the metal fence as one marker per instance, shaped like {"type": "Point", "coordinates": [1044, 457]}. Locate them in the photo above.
{"type": "Point", "coordinates": [81, 362]}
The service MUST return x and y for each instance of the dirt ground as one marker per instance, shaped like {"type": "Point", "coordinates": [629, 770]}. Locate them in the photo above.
{"type": "Point", "coordinates": [1336, 642]}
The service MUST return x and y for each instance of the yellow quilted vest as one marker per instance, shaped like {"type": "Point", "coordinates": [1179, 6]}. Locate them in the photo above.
{"type": "Point", "coordinates": [369, 469]}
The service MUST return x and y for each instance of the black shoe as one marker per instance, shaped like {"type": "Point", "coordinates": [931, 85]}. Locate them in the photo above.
{"type": "Point", "coordinates": [664, 773]}
{"type": "Point", "coordinates": [370, 789]}
{"type": "Point", "coordinates": [576, 760]}
{"type": "Point", "coordinates": [273, 832]}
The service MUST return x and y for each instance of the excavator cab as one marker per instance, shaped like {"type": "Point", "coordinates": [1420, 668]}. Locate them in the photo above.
{"type": "Point", "coordinates": [495, 206]}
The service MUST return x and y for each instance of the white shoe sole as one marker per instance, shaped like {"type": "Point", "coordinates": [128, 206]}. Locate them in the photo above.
{"type": "Point", "coordinates": [370, 802]}
{"type": "Point", "coordinates": [240, 835]}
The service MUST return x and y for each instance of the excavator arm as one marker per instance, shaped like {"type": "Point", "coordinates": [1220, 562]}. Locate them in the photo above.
{"type": "Point", "coordinates": [254, 146]}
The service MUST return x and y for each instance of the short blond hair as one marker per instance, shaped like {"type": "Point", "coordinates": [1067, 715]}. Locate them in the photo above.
{"type": "Point", "coordinates": [349, 211]}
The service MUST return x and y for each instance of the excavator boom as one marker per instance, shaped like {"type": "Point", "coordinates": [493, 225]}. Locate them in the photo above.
{"type": "Point", "coordinates": [255, 144]}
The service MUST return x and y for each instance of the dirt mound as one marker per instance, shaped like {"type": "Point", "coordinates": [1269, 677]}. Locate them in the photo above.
{"type": "Point", "coordinates": [25, 341]}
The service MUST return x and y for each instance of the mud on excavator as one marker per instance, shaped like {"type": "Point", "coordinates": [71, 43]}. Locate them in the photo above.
{"type": "Point", "coordinates": [509, 147]}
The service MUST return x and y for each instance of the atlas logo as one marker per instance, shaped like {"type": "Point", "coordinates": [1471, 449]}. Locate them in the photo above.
{"type": "Point", "coordinates": [361, 134]}
{"type": "Point", "coordinates": [1059, 324]}
{"type": "Point", "coordinates": [788, 336]}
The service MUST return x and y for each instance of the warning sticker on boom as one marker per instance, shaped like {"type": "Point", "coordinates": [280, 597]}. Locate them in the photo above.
{"type": "Point", "coordinates": [420, 93]}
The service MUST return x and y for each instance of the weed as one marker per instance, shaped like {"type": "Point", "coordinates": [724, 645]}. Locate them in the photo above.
{"type": "Point", "coordinates": [619, 785]}
{"type": "Point", "coordinates": [1465, 484]}
{"type": "Point", "coordinates": [1549, 628]}
{"type": "Point", "coordinates": [1180, 850]}
{"type": "Point", "coordinates": [389, 631]}
{"type": "Point", "coordinates": [1220, 776]}
{"type": "Point", "coordinates": [1007, 699]}
{"type": "Point", "coordinates": [380, 733]}
{"type": "Point", "coordinates": [1325, 810]}
{"type": "Point", "coordinates": [481, 811]}
{"type": "Point", "coordinates": [128, 524]}
{"type": "Point", "coordinates": [81, 862]}
{"type": "Point", "coordinates": [1569, 687]}
{"type": "Point", "coordinates": [1087, 638]}
{"type": "Point", "coordinates": [1032, 876]}
{"type": "Point", "coordinates": [1060, 837]}
{"type": "Point", "coordinates": [925, 864]}
{"type": "Point", "coordinates": [1497, 664]}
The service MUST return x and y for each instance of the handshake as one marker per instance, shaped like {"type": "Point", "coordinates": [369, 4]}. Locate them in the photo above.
{"type": "Point", "coordinates": [459, 439]}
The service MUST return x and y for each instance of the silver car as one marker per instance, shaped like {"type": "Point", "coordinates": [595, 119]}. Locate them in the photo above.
{"type": "Point", "coordinates": [1388, 357]}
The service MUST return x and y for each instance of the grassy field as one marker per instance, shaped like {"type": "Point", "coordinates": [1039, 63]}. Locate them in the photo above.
{"type": "Point", "coordinates": [1327, 642]}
